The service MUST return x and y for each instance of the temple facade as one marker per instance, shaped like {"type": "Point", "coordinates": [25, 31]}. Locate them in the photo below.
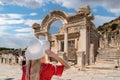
{"type": "Point", "coordinates": [77, 40]}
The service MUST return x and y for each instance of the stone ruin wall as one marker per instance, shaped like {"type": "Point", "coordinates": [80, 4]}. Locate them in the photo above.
{"type": "Point", "coordinates": [11, 57]}
{"type": "Point", "coordinates": [110, 34]}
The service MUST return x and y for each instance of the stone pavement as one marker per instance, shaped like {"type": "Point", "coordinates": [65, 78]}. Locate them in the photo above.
{"type": "Point", "coordinates": [13, 72]}
{"type": "Point", "coordinates": [10, 72]}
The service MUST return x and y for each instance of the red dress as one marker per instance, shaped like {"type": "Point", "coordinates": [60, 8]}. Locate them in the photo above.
{"type": "Point", "coordinates": [23, 72]}
{"type": "Point", "coordinates": [47, 71]}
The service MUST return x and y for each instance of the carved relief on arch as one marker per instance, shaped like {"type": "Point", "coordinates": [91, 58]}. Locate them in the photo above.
{"type": "Point", "coordinates": [59, 13]}
{"type": "Point", "coordinates": [54, 15]}
{"type": "Point", "coordinates": [46, 18]}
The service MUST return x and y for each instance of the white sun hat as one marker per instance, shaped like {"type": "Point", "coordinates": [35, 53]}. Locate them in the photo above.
{"type": "Point", "coordinates": [36, 49]}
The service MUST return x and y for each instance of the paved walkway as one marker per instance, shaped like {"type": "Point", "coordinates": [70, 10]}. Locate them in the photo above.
{"type": "Point", "coordinates": [10, 72]}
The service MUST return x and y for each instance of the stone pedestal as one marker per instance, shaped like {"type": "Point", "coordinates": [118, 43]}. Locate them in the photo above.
{"type": "Point", "coordinates": [81, 60]}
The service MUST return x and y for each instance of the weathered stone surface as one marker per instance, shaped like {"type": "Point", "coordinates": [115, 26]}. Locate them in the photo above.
{"type": "Point", "coordinates": [10, 72]}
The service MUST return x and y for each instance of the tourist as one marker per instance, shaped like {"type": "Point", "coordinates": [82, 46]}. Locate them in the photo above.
{"type": "Point", "coordinates": [37, 68]}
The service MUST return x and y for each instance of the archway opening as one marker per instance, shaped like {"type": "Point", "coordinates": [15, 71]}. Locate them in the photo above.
{"type": "Point", "coordinates": [54, 40]}
{"type": "Point", "coordinates": [55, 27]}
{"type": "Point", "coordinates": [55, 43]}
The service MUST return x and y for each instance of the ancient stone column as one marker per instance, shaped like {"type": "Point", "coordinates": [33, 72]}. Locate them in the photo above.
{"type": "Point", "coordinates": [83, 44]}
{"type": "Point", "coordinates": [59, 45]}
{"type": "Point", "coordinates": [76, 43]}
{"type": "Point", "coordinates": [7, 59]}
{"type": "Point", "coordinates": [92, 53]}
{"type": "Point", "coordinates": [101, 43]}
{"type": "Point", "coordinates": [4, 58]}
{"type": "Point", "coordinates": [65, 40]}
{"type": "Point", "coordinates": [106, 40]}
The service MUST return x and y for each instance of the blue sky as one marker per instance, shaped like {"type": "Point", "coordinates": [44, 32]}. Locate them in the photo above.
{"type": "Point", "coordinates": [17, 16]}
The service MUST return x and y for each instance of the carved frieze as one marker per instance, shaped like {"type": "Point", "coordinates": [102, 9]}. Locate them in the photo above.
{"type": "Point", "coordinates": [59, 13]}
{"type": "Point", "coordinates": [75, 18]}
{"type": "Point", "coordinates": [46, 18]}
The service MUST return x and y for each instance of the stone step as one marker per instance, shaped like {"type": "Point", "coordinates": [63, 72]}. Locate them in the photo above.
{"type": "Point", "coordinates": [107, 50]}
{"type": "Point", "coordinates": [103, 68]}
{"type": "Point", "coordinates": [106, 59]}
{"type": "Point", "coordinates": [115, 53]}
{"type": "Point", "coordinates": [111, 58]}
{"type": "Point", "coordinates": [110, 53]}
{"type": "Point", "coordinates": [107, 66]}
{"type": "Point", "coordinates": [108, 56]}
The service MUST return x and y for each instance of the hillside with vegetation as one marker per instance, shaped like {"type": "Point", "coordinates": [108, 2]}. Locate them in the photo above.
{"type": "Point", "coordinates": [112, 26]}
{"type": "Point", "coordinates": [4, 48]}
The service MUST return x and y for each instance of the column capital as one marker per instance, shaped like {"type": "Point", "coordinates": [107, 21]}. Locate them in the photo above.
{"type": "Point", "coordinates": [66, 30]}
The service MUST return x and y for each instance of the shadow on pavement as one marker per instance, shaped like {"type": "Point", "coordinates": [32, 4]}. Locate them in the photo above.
{"type": "Point", "coordinates": [9, 78]}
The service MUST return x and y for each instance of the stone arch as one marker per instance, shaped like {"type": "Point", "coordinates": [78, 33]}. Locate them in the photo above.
{"type": "Point", "coordinates": [53, 16]}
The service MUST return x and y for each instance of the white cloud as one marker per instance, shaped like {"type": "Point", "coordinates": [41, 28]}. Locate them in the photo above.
{"type": "Point", "coordinates": [117, 11]}
{"type": "Point", "coordinates": [24, 30]}
{"type": "Point", "coordinates": [7, 22]}
{"type": "Point", "coordinates": [110, 5]}
{"type": "Point", "coordinates": [11, 16]}
{"type": "Point", "coordinates": [33, 14]}
{"type": "Point", "coordinates": [10, 19]}
{"type": "Point", "coordinates": [26, 3]}
{"type": "Point", "coordinates": [100, 20]}
{"type": "Point", "coordinates": [31, 22]}
{"type": "Point", "coordinates": [23, 34]}
{"type": "Point", "coordinates": [19, 40]}
{"type": "Point", "coordinates": [6, 19]}
{"type": "Point", "coordinates": [74, 4]}
{"type": "Point", "coordinates": [1, 3]}
{"type": "Point", "coordinates": [2, 29]}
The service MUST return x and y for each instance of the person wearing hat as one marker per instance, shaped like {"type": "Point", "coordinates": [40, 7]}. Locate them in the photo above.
{"type": "Point", "coordinates": [36, 66]}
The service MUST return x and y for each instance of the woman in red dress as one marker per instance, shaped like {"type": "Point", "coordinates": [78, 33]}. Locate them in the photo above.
{"type": "Point", "coordinates": [41, 70]}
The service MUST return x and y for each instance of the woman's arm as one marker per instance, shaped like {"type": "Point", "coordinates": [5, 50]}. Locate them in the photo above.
{"type": "Point", "coordinates": [53, 55]}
